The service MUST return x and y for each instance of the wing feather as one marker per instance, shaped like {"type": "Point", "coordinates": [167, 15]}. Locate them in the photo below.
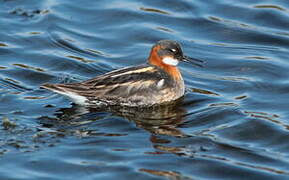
{"type": "Point", "coordinates": [123, 83]}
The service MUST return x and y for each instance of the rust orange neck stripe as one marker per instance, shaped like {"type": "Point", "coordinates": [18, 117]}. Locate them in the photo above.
{"type": "Point", "coordinates": [156, 60]}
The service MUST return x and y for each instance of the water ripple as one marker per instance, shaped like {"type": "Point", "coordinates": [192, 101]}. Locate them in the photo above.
{"type": "Point", "coordinates": [233, 117]}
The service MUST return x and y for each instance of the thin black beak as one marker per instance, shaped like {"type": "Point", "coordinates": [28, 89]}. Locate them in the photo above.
{"type": "Point", "coordinates": [196, 62]}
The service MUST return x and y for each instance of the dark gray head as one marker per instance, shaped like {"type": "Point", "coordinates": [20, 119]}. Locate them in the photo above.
{"type": "Point", "coordinates": [169, 48]}
{"type": "Point", "coordinates": [170, 53]}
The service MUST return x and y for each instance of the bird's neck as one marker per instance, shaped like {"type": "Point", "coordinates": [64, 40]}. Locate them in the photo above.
{"type": "Point", "coordinates": [155, 59]}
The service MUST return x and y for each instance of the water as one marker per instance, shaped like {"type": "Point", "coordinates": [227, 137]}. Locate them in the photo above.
{"type": "Point", "coordinates": [232, 123]}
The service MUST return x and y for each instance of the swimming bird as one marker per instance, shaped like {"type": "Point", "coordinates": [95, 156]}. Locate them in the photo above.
{"type": "Point", "coordinates": [158, 81]}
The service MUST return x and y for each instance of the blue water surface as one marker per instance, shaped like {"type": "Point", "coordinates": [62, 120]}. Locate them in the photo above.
{"type": "Point", "coordinates": [231, 124]}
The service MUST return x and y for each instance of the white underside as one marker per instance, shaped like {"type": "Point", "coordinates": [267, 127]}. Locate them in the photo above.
{"type": "Point", "coordinates": [160, 83]}
{"type": "Point", "coordinates": [74, 97]}
{"type": "Point", "coordinates": [80, 100]}
{"type": "Point", "coordinates": [170, 61]}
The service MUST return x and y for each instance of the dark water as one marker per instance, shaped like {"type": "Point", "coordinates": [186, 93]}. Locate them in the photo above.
{"type": "Point", "coordinates": [232, 123]}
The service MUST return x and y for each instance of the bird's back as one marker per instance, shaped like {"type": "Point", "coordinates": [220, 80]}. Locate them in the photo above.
{"type": "Point", "coordinates": [141, 85]}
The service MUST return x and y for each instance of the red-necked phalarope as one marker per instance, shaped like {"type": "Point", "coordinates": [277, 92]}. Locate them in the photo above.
{"type": "Point", "coordinates": [157, 82]}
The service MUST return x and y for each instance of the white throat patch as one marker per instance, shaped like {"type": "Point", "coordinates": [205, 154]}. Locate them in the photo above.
{"type": "Point", "coordinates": [170, 61]}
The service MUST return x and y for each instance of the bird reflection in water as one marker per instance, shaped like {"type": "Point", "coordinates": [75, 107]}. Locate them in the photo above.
{"type": "Point", "coordinates": [158, 120]}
